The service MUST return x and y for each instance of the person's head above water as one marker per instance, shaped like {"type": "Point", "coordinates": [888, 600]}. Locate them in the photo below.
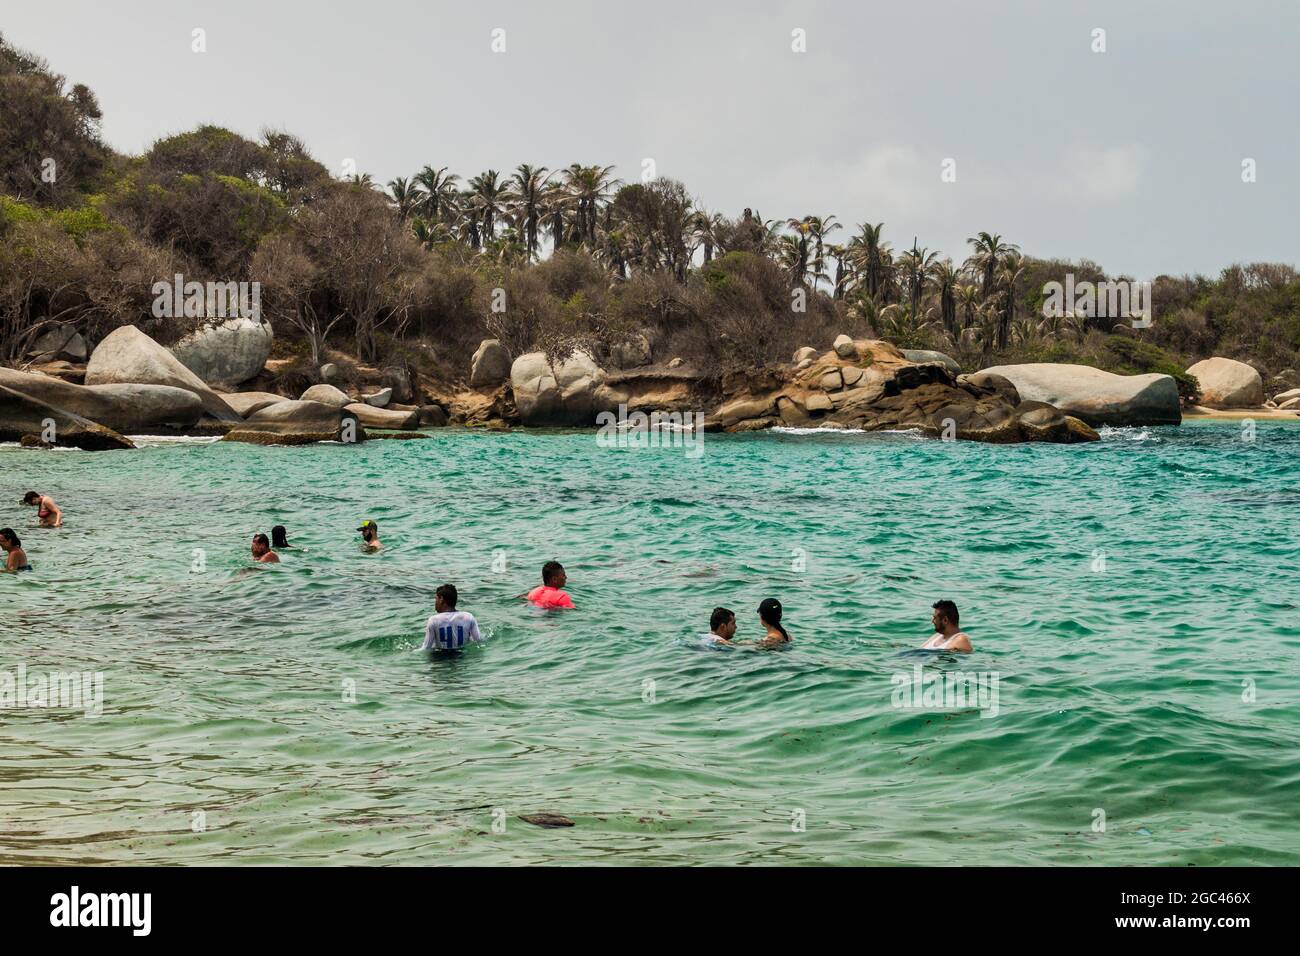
{"type": "Point", "coordinates": [722, 622]}
{"type": "Point", "coordinates": [9, 539]}
{"type": "Point", "coordinates": [32, 498]}
{"type": "Point", "coordinates": [553, 575]}
{"type": "Point", "coordinates": [445, 598]}
{"type": "Point", "coordinates": [945, 617]}
{"type": "Point", "coordinates": [769, 612]}
{"type": "Point", "coordinates": [278, 537]}
{"type": "Point", "coordinates": [369, 530]}
{"type": "Point", "coordinates": [261, 545]}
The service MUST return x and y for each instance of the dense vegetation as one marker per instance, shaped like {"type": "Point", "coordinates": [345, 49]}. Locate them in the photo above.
{"type": "Point", "coordinates": [413, 271]}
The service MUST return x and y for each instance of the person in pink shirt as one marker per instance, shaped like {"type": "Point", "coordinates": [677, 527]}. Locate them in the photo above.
{"type": "Point", "coordinates": [548, 594]}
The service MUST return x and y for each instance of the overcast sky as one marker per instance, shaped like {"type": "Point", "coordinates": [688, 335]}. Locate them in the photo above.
{"type": "Point", "coordinates": [1131, 157]}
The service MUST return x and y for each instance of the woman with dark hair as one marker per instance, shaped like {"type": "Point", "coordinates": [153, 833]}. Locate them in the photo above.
{"type": "Point", "coordinates": [17, 559]}
{"type": "Point", "coordinates": [769, 615]}
{"type": "Point", "coordinates": [47, 512]}
{"type": "Point", "coordinates": [280, 539]}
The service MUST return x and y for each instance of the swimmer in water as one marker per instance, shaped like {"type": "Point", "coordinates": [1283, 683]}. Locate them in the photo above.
{"type": "Point", "coordinates": [722, 627]}
{"type": "Point", "coordinates": [370, 536]}
{"type": "Point", "coordinates": [17, 557]}
{"type": "Point", "coordinates": [262, 552]}
{"type": "Point", "coordinates": [449, 629]}
{"type": "Point", "coordinates": [947, 636]}
{"type": "Point", "coordinates": [280, 540]}
{"type": "Point", "coordinates": [769, 615]}
{"type": "Point", "coordinates": [47, 512]}
{"type": "Point", "coordinates": [549, 594]}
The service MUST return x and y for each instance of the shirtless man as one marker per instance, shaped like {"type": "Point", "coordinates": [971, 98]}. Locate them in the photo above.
{"type": "Point", "coordinates": [47, 512]}
{"type": "Point", "coordinates": [262, 552]}
{"type": "Point", "coordinates": [370, 536]}
{"type": "Point", "coordinates": [947, 636]}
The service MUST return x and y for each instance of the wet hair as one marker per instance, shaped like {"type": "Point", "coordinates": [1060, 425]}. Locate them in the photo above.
{"type": "Point", "coordinates": [261, 539]}
{"type": "Point", "coordinates": [948, 610]}
{"type": "Point", "coordinates": [278, 538]}
{"type": "Point", "coordinates": [448, 594]}
{"type": "Point", "coordinates": [31, 498]}
{"type": "Point", "coordinates": [549, 570]}
{"type": "Point", "coordinates": [770, 613]}
{"type": "Point", "coordinates": [720, 616]}
{"type": "Point", "coordinates": [11, 536]}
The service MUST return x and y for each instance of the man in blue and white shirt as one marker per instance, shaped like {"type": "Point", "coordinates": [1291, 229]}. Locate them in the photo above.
{"type": "Point", "coordinates": [449, 629]}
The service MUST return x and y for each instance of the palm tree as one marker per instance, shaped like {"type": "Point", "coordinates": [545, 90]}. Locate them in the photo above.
{"type": "Point", "coordinates": [803, 229]}
{"type": "Point", "coordinates": [946, 277]}
{"type": "Point", "coordinates": [486, 197]}
{"type": "Point", "coordinates": [1010, 269]}
{"type": "Point", "coordinates": [968, 299]}
{"type": "Point", "coordinates": [841, 256]}
{"type": "Point", "coordinates": [557, 201]}
{"type": "Point", "coordinates": [820, 227]}
{"type": "Point", "coordinates": [705, 227]}
{"type": "Point", "coordinates": [915, 265]}
{"type": "Point", "coordinates": [407, 196]}
{"type": "Point", "coordinates": [869, 255]}
{"type": "Point", "coordinates": [989, 251]}
{"type": "Point", "coordinates": [588, 188]}
{"type": "Point", "coordinates": [902, 322]}
{"type": "Point", "coordinates": [528, 193]}
{"type": "Point", "coordinates": [440, 192]}
{"type": "Point", "coordinates": [791, 254]}
{"type": "Point", "coordinates": [429, 234]}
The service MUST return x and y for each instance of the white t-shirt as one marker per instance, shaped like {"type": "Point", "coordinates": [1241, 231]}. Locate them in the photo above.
{"type": "Point", "coordinates": [940, 643]}
{"type": "Point", "coordinates": [711, 638]}
{"type": "Point", "coordinates": [450, 630]}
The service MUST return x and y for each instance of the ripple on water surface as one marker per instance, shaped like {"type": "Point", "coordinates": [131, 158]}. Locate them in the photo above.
{"type": "Point", "coordinates": [1135, 600]}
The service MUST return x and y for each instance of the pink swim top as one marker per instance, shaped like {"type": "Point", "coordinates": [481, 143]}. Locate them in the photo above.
{"type": "Point", "coordinates": [546, 596]}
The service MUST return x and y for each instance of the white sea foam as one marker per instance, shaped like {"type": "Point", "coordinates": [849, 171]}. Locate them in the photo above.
{"type": "Point", "coordinates": [792, 430]}
{"type": "Point", "coordinates": [174, 439]}
{"type": "Point", "coordinates": [1126, 433]}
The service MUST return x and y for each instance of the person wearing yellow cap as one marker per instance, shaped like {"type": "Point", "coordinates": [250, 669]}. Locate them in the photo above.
{"type": "Point", "coordinates": [370, 536]}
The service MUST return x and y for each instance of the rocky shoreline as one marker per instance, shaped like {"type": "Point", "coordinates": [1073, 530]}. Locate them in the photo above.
{"type": "Point", "coordinates": [131, 384]}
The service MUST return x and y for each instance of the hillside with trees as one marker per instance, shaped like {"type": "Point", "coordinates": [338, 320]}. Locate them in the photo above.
{"type": "Point", "coordinates": [408, 271]}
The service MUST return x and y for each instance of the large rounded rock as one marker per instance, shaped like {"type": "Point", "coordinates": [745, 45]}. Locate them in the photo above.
{"type": "Point", "coordinates": [226, 352]}
{"type": "Point", "coordinates": [926, 355]}
{"type": "Point", "coordinates": [62, 341]}
{"type": "Point", "coordinates": [326, 395]}
{"type": "Point", "coordinates": [993, 382]}
{"type": "Point", "coordinates": [24, 417]}
{"type": "Point", "coordinates": [559, 394]}
{"type": "Point", "coordinates": [137, 409]}
{"type": "Point", "coordinates": [248, 402]}
{"type": "Point", "coordinates": [129, 409]}
{"type": "Point", "coordinates": [1093, 395]}
{"type": "Point", "coordinates": [373, 417]}
{"type": "Point", "coordinates": [397, 378]}
{"type": "Point", "coordinates": [490, 365]}
{"type": "Point", "coordinates": [1226, 383]}
{"type": "Point", "coordinates": [631, 352]}
{"type": "Point", "coordinates": [844, 347]}
{"type": "Point", "coordinates": [127, 356]}
{"type": "Point", "coordinates": [294, 423]}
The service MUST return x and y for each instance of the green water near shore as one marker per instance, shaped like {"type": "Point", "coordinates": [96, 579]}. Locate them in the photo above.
{"type": "Point", "coordinates": [229, 735]}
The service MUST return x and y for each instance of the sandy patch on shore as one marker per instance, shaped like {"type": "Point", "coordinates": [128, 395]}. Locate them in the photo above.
{"type": "Point", "coordinates": [1236, 414]}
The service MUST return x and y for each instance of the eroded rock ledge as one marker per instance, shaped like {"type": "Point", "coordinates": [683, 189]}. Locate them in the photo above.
{"type": "Point", "coordinates": [873, 386]}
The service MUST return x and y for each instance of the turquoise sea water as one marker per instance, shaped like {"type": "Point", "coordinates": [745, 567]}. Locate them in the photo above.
{"type": "Point", "coordinates": [1137, 600]}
